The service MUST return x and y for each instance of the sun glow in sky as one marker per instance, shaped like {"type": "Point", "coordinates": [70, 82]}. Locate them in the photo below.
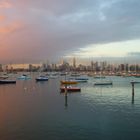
{"type": "Point", "coordinates": [37, 30]}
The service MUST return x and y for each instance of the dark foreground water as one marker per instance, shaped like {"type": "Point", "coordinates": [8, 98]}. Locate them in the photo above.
{"type": "Point", "coordinates": [37, 111]}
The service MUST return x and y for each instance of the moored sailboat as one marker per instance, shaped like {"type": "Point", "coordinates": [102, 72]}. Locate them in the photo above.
{"type": "Point", "coordinates": [42, 78]}
{"type": "Point", "coordinates": [98, 83]}
{"type": "Point", "coordinates": [70, 89]}
{"type": "Point", "coordinates": [7, 81]}
{"type": "Point", "coordinates": [68, 82]}
{"type": "Point", "coordinates": [24, 77]}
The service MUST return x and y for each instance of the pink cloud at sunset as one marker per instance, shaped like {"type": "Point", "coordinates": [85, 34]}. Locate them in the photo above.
{"type": "Point", "coordinates": [36, 30]}
{"type": "Point", "coordinates": [10, 28]}
{"type": "Point", "coordinates": [5, 4]}
{"type": "Point", "coordinates": [2, 17]}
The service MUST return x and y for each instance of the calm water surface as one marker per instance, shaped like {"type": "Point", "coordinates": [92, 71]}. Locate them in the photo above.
{"type": "Point", "coordinates": [37, 111]}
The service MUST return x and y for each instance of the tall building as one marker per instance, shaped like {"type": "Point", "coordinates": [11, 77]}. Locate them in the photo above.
{"type": "Point", "coordinates": [74, 62]}
{"type": "Point", "coordinates": [30, 67]}
{"type": "Point", "coordinates": [96, 65]}
{"type": "Point", "coordinates": [92, 65]}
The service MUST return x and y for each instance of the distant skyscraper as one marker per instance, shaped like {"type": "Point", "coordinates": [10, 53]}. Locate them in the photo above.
{"type": "Point", "coordinates": [30, 67]}
{"type": "Point", "coordinates": [92, 65]}
{"type": "Point", "coordinates": [96, 66]}
{"type": "Point", "coordinates": [74, 62]}
{"type": "Point", "coordinates": [62, 62]}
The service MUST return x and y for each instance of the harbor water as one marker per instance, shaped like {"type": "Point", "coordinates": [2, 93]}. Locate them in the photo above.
{"type": "Point", "coordinates": [31, 110]}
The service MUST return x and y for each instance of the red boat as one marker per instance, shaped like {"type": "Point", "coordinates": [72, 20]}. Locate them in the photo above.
{"type": "Point", "coordinates": [70, 89]}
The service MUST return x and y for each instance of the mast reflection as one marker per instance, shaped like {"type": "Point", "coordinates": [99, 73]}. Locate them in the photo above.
{"type": "Point", "coordinates": [133, 99]}
{"type": "Point", "coordinates": [66, 100]}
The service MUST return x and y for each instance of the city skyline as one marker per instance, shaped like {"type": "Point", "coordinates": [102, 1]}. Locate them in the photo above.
{"type": "Point", "coordinates": [72, 64]}
{"type": "Point", "coordinates": [32, 31]}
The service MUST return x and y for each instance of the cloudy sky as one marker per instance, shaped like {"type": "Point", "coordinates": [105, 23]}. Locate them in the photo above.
{"type": "Point", "coordinates": [36, 30]}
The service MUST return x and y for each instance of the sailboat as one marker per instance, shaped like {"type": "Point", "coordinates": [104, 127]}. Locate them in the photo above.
{"type": "Point", "coordinates": [102, 81]}
{"type": "Point", "coordinates": [42, 78]}
{"type": "Point", "coordinates": [4, 76]}
{"type": "Point", "coordinates": [68, 82]}
{"type": "Point", "coordinates": [105, 82]}
{"type": "Point", "coordinates": [66, 86]}
{"type": "Point", "coordinates": [24, 77]}
{"type": "Point", "coordinates": [70, 89]}
{"type": "Point", "coordinates": [6, 81]}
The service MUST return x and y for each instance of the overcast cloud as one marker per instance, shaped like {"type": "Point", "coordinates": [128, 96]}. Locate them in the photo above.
{"type": "Point", "coordinates": [34, 30]}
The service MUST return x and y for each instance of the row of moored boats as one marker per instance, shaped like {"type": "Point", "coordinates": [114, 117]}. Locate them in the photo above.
{"type": "Point", "coordinates": [66, 85]}
{"type": "Point", "coordinates": [5, 80]}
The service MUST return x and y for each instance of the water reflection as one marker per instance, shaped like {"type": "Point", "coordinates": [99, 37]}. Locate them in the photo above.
{"type": "Point", "coordinates": [66, 100]}
{"type": "Point", "coordinates": [133, 99]}
{"type": "Point", "coordinates": [133, 92]}
{"type": "Point", "coordinates": [30, 110]}
{"type": "Point", "coordinates": [66, 97]}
